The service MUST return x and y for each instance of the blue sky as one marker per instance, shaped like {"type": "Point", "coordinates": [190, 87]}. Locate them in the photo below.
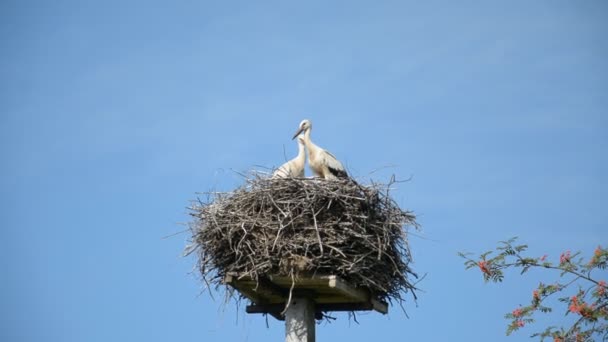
{"type": "Point", "coordinates": [114, 114]}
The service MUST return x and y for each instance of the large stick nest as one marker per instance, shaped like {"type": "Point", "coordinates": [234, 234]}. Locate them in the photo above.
{"type": "Point", "coordinates": [301, 226]}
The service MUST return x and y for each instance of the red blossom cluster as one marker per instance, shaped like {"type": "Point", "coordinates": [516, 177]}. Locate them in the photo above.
{"type": "Point", "coordinates": [517, 323]}
{"type": "Point", "coordinates": [535, 298]}
{"type": "Point", "coordinates": [484, 267]}
{"type": "Point", "coordinates": [564, 257]}
{"type": "Point", "coordinates": [517, 313]}
{"type": "Point", "coordinates": [601, 288]}
{"type": "Point", "coordinates": [596, 256]}
{"type": "Point", "coordinates": [580, 307]}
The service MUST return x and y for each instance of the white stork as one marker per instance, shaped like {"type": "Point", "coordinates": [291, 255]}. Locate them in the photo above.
{"type": "Point", "coordinates": [321, 162]}
{"type": "Point", "coordinates": [294, 167]}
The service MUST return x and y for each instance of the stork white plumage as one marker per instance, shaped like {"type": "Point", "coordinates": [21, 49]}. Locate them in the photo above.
{"type": "Point", "coordinates": [321, 162]}
{"type": "Point", "coordinates": [294, 167]}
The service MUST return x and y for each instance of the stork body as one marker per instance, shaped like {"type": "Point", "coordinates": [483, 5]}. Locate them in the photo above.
{"type": "Point", "coordinates": [321, 162]}
{"type": "Point", "coordinates": [294, 167]}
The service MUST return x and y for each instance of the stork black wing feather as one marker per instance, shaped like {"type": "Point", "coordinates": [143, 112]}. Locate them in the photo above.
{"type": "Point", "coordinates": [338, 173]}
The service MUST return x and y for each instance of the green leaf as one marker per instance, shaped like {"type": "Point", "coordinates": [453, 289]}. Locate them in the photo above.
{"type": "Point", "coordinates": [521, 248]}
{"type": "Point", "coordinates": [484, 255]}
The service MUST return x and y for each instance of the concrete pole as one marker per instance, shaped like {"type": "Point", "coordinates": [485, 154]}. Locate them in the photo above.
{"type": "Point", "coordinates": [300, 320]}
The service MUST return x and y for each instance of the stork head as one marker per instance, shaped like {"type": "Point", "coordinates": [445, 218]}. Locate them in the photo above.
{"type": "Point", "coordinates": [305, 125]}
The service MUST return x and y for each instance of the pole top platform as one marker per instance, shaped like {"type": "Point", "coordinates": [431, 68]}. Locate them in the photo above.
{"type": "Point", "coordinates": [269, 294]}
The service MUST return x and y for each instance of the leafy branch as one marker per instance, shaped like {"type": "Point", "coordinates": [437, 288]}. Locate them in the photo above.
{"type": "Point", "coordinates": [590, 301]}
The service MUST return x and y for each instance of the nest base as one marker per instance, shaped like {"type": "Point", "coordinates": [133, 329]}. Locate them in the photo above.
{"type": "Point", "coordinates": [269, 294]}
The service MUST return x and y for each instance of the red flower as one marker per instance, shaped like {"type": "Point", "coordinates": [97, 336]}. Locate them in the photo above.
{"type": "Point", "coordinates": [520, 323]}
{"type": "Point", "coordinates": [483, 266]}
{"type": "Point", "coordinates": [564, 257]}
{"type": "Point", "coordinates": [601, 288]}
{"type": "Point", "coordinates": [535, 299]}
{"type": "Point", "coordinates": [596, 256]}
{"type": "Point", "coordinates": [543, 257]}
{"type": "Point", "coordinates": [574, 306]}
{"type": "Point", "coordinates": [580, 308]}
{"type": "Point", "coordinates": [517, 313]}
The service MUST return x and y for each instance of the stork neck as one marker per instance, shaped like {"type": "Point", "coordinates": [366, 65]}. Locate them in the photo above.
{"type": "Point", "coordinates": [301, 151]}
{"type": "Point", "coordinates": [309, 144]}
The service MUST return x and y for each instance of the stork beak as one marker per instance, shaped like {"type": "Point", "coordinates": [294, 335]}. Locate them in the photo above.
{"type": "Point", "coordinates": [297, 133]}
